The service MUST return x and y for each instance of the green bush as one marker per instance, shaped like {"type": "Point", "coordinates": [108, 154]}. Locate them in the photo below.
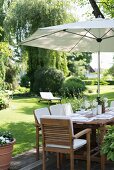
{"type": "Point", "coordinates": [110, 82]}
{"type": "Point", "coordinates": [4, 100]}
{"type": "Point", "coordinates": [73, 87]}
{"type": "Point", "coordinates": [95, 82]}
{"type": "Point", "coordinates": [88, 82]}
{"type": "Point", "coordinates": [25, 81]}
{"type": "Point", "coordinates": [103, 82]}
{"type": "Point", "coordinates": [75, 103]}
{"type": "Point", "coordinates": [108, 144]}
{"type": "Point", "coordinates": [48, 79]}
{"type": "Point", "coordinates": [22, 90]}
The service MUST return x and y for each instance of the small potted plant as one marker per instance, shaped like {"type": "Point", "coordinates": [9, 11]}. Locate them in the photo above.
{"type": "Point", "coordinates": [6, 147]}
{"type": "Point", "coordinates": [107, 147]}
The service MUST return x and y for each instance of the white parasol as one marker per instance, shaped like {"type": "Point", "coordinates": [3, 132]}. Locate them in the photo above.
{"type": "Point", "coordinates": [88, 36]}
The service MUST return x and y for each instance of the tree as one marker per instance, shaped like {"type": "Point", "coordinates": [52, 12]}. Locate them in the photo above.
{"type": "Point", "coordinates": [100, 8]}
{"type": "Point", "coordinates": [111, 69]}
{"type": "Point", "coordinates": [7, 69]}
{"type": "Point", "coordinates": [5, 53]}
{"type": "Point", "coordinates": [43, 82]}
{"type": "Point", "coordinates": [78, 63]}
{"type": "Point", "coordinates": [95, 6]}
{"type": "Point", "coordinates": [24, 17]}
{"type": "Point", "coordinates": [108, 7]}
{"type": "Point", "coordinates": [96, 11]}
{"type": "Point", "coordinates": [2, 16]}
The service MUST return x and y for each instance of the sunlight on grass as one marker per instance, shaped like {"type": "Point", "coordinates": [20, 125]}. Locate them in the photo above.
{"type": "Point", "coordinates": [19, 118]}
{"type": "Point", "coordinates": [20, 110]}
{"type": "Point", "coordinates": [105, 91]}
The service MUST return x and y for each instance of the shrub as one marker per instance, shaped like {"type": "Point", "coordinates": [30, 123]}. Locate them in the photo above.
{"type": "Point", "coordinates": [73, 87]}
{"type": "Point", "coordinates": [25, 81]}
{"type": "Point", "coordinates": [90, 91]}
{"type": "Point", "coordinates": [75, 103]}
{"type": "Point", "coordinates": [48, 79]}
{"type": "Point", "coordinates": [88, 82]}
{"type": "Point", "coordinates": [4, 100]}
{"type": "Point", "coordinates": [110, 82]}
{"type": "Point", "coordinates": [108, 144]}
{"type": "Point", "coordinates": [95, 82]}
{"type": "Point", "coordinates": [22, 90]}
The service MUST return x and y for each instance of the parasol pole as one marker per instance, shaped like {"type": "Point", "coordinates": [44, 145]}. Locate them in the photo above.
{"type": "Point", "coordinates": [98, 88]}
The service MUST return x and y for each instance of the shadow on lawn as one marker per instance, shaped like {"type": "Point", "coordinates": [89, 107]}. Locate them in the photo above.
{"type": "Point", "coordinates": [29, 110]}
{"type": "Point", "coordinates": [30, 105]}
{"type": "Point", "coordinates": [26, 99]}
{"type": "Point", "coordinates": [24, 133]}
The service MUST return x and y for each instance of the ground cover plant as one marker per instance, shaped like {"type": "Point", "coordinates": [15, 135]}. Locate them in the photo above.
{"type": "Point", "coordinates": [108, 144]}
{"type": "Point", "coordinates": [19, 118]}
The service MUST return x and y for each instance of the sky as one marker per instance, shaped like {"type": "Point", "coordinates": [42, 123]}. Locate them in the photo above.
{"type": "Point", "coordinates": [106, 60]}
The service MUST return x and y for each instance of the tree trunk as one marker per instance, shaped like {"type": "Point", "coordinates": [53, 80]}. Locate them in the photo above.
{"type": "Point", "coordinates": [96, 11]}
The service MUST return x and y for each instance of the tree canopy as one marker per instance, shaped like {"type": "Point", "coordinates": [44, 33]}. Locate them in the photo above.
{"type": "Point", "coordinates": [20, 18]}
{"type": "Point", "coordinates": [24, 17]}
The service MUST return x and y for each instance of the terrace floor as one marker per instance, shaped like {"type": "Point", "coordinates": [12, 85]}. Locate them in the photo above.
{"type": "Point", "coordinates": [27, 161]}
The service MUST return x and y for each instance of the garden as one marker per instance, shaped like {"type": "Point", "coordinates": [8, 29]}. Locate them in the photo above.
{"type": "Point", "coordinates": [25, 71]}
{"type": "Point", "coordinates": [18, 118]}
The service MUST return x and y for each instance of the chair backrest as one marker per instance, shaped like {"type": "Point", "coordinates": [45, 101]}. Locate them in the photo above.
{"type": "Point", "coordinates": [57, 110]}
{"type": "Point", "coordinates": [46, 95]}
{"type": "Point", "coordinates": [56, 131]}
{"type": "Point", "coordinates": [67, 108]}
{"type": "Point", "coordinates": [38, 113]}
{"type": "Point", "coordinates": [112, 104]}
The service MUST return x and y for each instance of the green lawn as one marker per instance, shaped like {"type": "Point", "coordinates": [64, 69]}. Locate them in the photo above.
{"type": "Point", "coordinates": [105, 91]}
{"type": "Point", "coordinates": [19, 118]}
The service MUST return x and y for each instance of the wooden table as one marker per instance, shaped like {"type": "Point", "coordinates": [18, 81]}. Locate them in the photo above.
{"type": "Point", "coordinates": [100, 126]}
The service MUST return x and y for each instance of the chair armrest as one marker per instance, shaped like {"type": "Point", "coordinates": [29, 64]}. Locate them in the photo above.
{"type": "Point", "coordinates": [81, 133]}
{"type": "Point", "coordinates": [37, 125]}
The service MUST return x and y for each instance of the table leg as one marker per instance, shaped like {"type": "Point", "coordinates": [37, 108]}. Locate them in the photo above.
{"type": "Point", "coordinates": [37, 142]}
{"type": "Point", "coordinates": [102, 131]}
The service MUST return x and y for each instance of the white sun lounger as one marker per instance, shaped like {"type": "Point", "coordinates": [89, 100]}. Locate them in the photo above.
{"type": "Point", "coordinates": [49, 97]}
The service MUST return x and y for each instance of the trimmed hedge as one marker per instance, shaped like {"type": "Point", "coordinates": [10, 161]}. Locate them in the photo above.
{"type": "Point", "coordinates": [102, 82]}
{"type": "Point", "coordinates": [110, 82]}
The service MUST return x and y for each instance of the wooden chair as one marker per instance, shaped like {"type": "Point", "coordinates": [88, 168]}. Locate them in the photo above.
{"type": "Point", "coordinates": [38, 113]}
{"type": "Point", "coordinates": [57, 110]}
{"type": "Point", "coordinates": [58, 137]}
{"type": "Point", "coordinates": [61, 109]}
{"type": "Point", "coordinates": [67, 109]}
{"type": "Point", "coordinates": [112, 104]}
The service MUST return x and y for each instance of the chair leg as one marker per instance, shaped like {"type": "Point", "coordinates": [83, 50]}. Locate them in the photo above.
{"type": "Point", "coordinates": [72, 161]}
{"type": "Point", "coordinates": [37, 143]}
{"type": "Point", "coordinates": [88, 153]}
{"type": "Point", "coordinates": [58, 160]}
{"type": "Point", "coordinates": [44, 160]}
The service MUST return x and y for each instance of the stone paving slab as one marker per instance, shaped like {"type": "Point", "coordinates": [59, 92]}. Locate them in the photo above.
{"type": "Point", "coordinates": [27, 161]}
